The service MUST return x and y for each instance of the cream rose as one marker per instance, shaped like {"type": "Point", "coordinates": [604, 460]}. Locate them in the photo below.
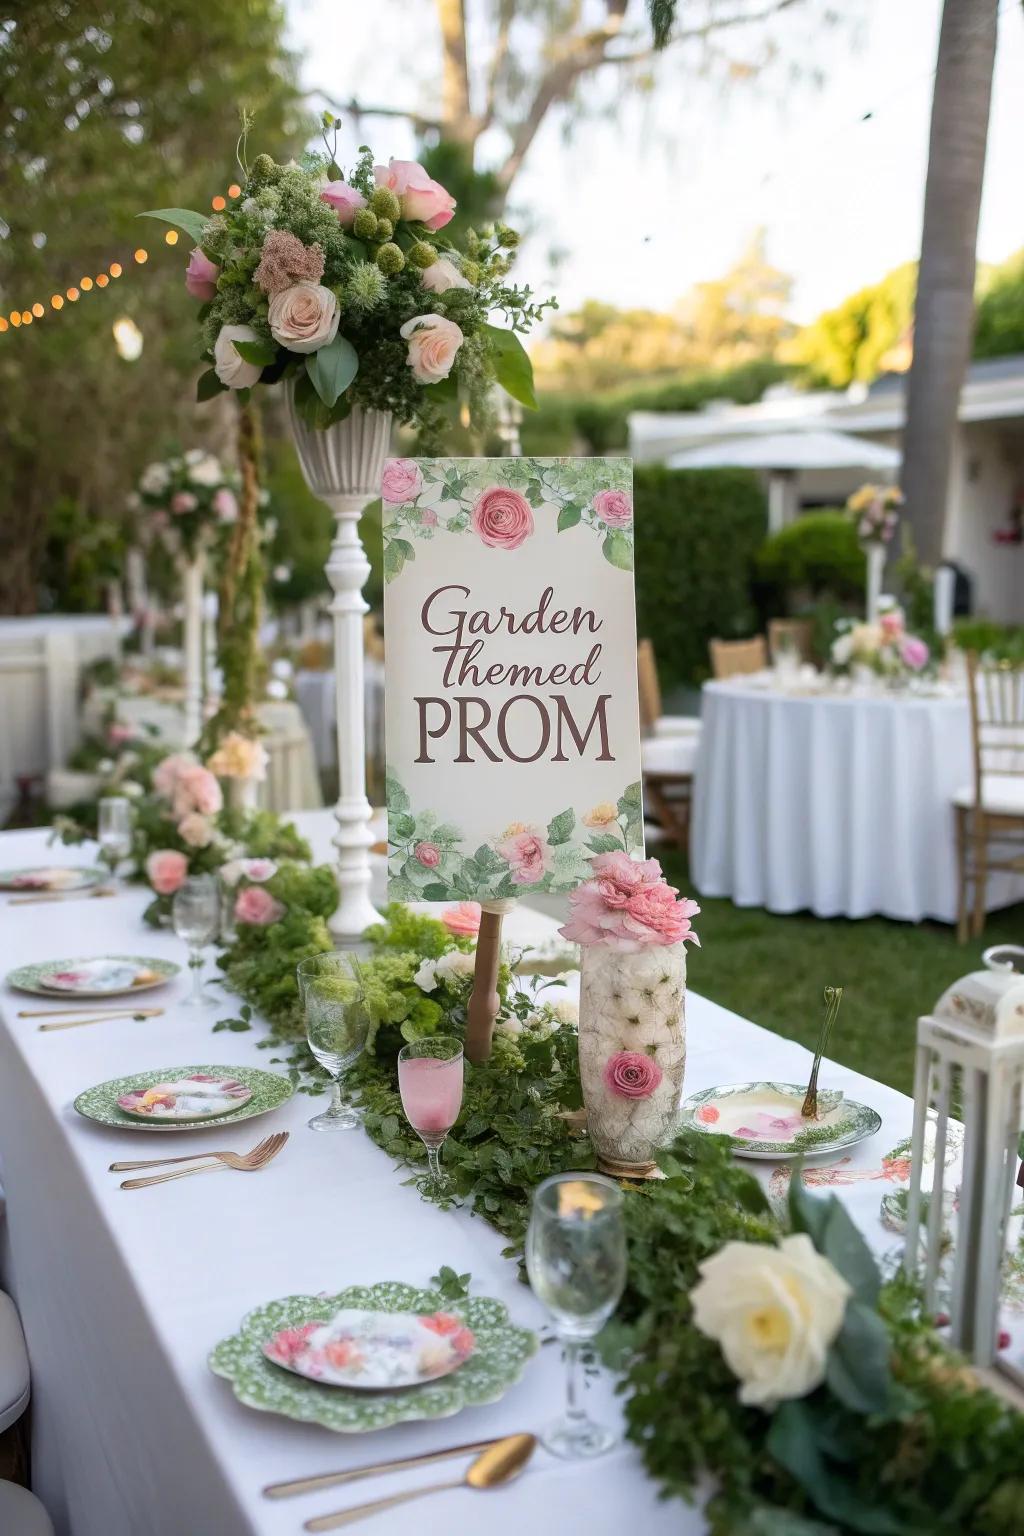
{"type": "Point", "coordinates": [304, 317]}
{"type": "Point", "coordinates": [433, 343]}
{"type": "Point", "coordinates": [443, 274]}
{"type": "Point", "coordinates": [228, 364]}
{"type": "Point", "coordinates": [774, 1311]}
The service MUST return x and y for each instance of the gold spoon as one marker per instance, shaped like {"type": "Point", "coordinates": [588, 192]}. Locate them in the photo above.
{"type": "Point", "coordinates": [833, 997]}
{"type": "Point", "coordinates": [499, 1464]}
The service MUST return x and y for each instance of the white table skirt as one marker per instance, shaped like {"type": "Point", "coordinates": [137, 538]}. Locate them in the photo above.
{"type": "Point", "coordinates": [839, 804]}
{"type": "Point", "coordinates": [123, 1294]}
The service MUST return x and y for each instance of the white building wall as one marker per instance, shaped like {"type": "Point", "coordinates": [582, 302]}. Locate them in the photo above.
{"type": "Point", "coordinates": [988, 465]}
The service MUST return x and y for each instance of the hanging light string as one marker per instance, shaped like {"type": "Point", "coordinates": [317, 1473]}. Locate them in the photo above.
{"type": "Point", "coordinates": [17, 319]}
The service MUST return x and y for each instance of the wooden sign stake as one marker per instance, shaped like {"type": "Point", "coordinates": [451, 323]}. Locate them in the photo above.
{"type": "Point", "coordinates": [484, 1001]}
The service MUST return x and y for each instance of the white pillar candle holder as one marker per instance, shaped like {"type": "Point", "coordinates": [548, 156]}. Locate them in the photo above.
{"type": "Point", "coordinates": [192, 598]}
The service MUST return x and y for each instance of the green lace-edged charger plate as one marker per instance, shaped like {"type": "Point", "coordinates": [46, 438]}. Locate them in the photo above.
{"type": "Point", "coordinates": [763, 1121]}
{"type": "Point", "coordinates": [93, 976]}
{"type": "Point", "coordinates": [268, 1090]}
{"type": "Point", "coordinates": [50, 879]}
{"type": "Point", "coordinates": [499, 1357]}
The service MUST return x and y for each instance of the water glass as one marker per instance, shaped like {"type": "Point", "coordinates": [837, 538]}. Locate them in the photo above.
{"type": "Point", "coordinates": [114, 830]}
{"type": "Point", "coordinates": [576, 1261]}
{"type": "Point", "coordinates": [337, 1024]}
{"type": "Point", "coordinates": [430, 1082]}
{"type": "Point", "coordinates": [195, 913]}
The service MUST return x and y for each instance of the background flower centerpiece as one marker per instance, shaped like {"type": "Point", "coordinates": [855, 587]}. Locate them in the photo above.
{"type": "Point", "coordinates": [633, 929]}
{"type": "Point", "coordinates": [883, 647]}
{"type": "Point", "coordinates": [186, 500]}
{"type": "Point", "coordinates": [875, 510]}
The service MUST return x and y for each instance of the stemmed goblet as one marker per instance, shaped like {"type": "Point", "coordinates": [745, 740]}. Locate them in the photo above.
{"type": "Point", "coordinates": [576, 1261]}
{"type": "Point", "coordinates": [195, 913]}
{"type": "Point", "coordinates": [114, 831]}
{"type": "Point", "coordinates": [430, 1082]}
{"type": "Point", "coordinates": [337, 1024]}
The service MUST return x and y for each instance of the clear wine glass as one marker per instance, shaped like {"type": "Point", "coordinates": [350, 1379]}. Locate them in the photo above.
{"type": "Point", "coordinates": [195, 913]}
{"type": "Point", "coordinates": [337, 1024]}
{"type": "Point", "coordinates": [114, 831]}
{"type": "Point", "coordinates": [430, 1082]}
{"type": "Point", "coordinates": [576, 1261]}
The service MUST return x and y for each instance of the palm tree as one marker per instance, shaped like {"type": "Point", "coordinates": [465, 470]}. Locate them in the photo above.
{"type": "Point", "coordinates": [944, 310]}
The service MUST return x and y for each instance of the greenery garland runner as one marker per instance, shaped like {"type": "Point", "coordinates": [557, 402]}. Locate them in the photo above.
{"type": "Point", "coordinates": [898, 1438]}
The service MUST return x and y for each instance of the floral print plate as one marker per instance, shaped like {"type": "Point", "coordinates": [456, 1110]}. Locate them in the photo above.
{"type": "Point", "coordinates": [100, 976]}
{"type": "Point", "coordinates": [763, 1120]}
{"type": "Point", "coordinates": [200, 1096]}
{"type": "Point", "coordinates": [50, 877]}
{"type": "Point", "coordinates": [266, 1091]}
{"type": "Point", "coordinates": [500, 1352]}
{"type": "Point", "coordinates": [374, 1350]}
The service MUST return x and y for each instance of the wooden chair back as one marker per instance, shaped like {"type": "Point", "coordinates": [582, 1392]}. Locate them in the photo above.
{"type": "Point", "coordinates": [996, 692]}
{"type": "Point", "coordinates": [647, 685]}
{"type": "Point", "coordinates": [736, 658]}
{"type": "Point", "coordinates": [798, 633]}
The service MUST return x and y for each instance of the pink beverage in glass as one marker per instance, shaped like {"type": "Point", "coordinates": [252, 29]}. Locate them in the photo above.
{"type": "Point", "coordinates": [431, 1094]}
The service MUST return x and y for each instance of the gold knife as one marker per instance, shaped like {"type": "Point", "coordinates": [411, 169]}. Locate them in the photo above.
{"type": "Point", "coordinates": [334, 1479]}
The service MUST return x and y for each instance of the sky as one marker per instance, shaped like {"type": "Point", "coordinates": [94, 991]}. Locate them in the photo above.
{"type": "Point", "coordinates": [664, 189]}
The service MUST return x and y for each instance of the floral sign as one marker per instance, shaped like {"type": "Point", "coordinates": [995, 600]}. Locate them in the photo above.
{"type": "Point", "coordinates": [512, 720]}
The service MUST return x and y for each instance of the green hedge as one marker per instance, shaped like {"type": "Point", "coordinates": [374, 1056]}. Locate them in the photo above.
{"type": "Point", "coordinates": [697, 533]}
{"type": "Point", "coordinates": [818, 556]}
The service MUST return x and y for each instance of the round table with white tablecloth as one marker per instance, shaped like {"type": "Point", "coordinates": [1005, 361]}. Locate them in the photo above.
{"type": "Point", "coordinates": [840, 803]}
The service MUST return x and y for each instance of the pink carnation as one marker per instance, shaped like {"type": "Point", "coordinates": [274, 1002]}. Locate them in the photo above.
{"type": "Point", "coordinates": [166, 870]}
{"type": "Point", "coordinates": [463, 920]}
{"type": "Point", "coordinates": [528, 854]}
{"type": "Point", "coordinates": [628, 903]}
{"type": "Point", "coordinates": [196, 789]}
{"type": "Point", "coordinates": [255, 905]}
{"type": "Point", "coordinates": [631, 1075]}
{"type": "Point", "coordinates": [915, 653]}
{"type": "Point", "coordinates": [614, 508]}
{"type": "Point", "coordinates": [427, 854]}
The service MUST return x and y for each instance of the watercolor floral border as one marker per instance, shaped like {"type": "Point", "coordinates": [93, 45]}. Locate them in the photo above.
{"type": "Point", "coordinates": [428, 859]}
{"type": "Point", "coordinates": [593, 494]}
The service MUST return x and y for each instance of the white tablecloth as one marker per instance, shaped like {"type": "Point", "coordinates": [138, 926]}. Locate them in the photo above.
{"type": "Point", "coordinates": [123, 1294]}
{"type": "Point", "coordinates": [840, 804]}
{"type": "Point", "coordinates": [315, 693]}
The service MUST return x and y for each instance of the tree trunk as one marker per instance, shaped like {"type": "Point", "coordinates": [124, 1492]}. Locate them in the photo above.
{"type": "Point", "coordinates": [456, 107]}
{"type": "Point", "coordinates": [944, 311]}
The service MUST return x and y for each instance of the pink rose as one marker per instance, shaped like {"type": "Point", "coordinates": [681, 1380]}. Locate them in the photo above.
{"type": "Point", "coordinates": [428, 854]}
{"type": "Point", "coordinates": [304, 317]}
{"type": "Point", "coordinates": [183, 501]}
{"type": "Point", "coordinates": [402, 481]}
{"type": "Point", "coordinates": [166, 870]}
{"type": "Point", "coordinates": [614, 508]}
{"type": "Point", "coordinates": [225, 504]}
{"type": "Point", "coordinates": [528, 854]}
{"type": "Point", "coordinates": [256, 905]}
{"type": "Point", "coordinates": [421, 197]}
{"type": "Point", "coordinates": [195, 830]}
{"type": "Point", "coordinates": [443, 274]}
{"type": "Point", "coordinates": [201, 276]}
{"type": "Point", "coordinates": [427, 516]}
{"type": "Point", "coordinates": [628, 903]}
{"type": "Point", "coordinates": [345, 200]}
{"type": "Point", "coordinates": [892, 624]}
{"type": "Point", "coordinates": [196, 789]}
{"type": "Point", "coordinates": [433, 343]}
{"type": "Point", "coordinates": [631, 1075]}
{"type": "Point", "coordinates": [662, 919]}
{"type": "Point", "coordinates": [463, 920]}
{"type": "Point", "coordinates": [502, 518]}
{"type": "Point", "coordinates": [915, 653]}
{"type": "Point", "coordinates": [165, 774]}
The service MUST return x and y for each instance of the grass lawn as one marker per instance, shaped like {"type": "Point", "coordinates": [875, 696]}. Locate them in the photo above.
{"type": "Point", "coordinates": [773, 970]}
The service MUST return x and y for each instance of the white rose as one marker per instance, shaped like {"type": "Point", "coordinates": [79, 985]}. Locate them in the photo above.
{"type": "Point", "coordinates": [206, 471]}
{"type": "Point", "coordinates": [304, 317]}
{"type": "Point", "coordinates": [433, 343]}
{"type": "Point", "coordinates": [453, 965]}
{"type": "Point", "coordinates": [424, 977]}
{"type": "Point", "coordinates": [566, 1012]}
{"type": "Point", "coordinates": [195, 455]}
{"type": "Point", "coordinates": [230, 367]}
{"type": "Point", "coordinates": [774, 1311]}
{"type": "Point", "coordinates": [443, 274]}
{"type": "Point", "coordinates": [154, 479]}
{"type": "Point", "coordinates": [842, 650]}
{"type": "Point", "coordinates": [130, 788]}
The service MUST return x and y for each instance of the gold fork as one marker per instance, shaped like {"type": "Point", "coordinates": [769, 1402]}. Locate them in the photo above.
{"type": "Point", "coordinates": [191, 1157]}
{"type": "Point", "coordinates": [247, 1162]}
{"type": "Point", "coordinates": [105, 1018]}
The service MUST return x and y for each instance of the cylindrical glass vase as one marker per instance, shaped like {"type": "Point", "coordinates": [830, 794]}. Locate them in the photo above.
{"type": "Point", "coordinates": [632, 1046]}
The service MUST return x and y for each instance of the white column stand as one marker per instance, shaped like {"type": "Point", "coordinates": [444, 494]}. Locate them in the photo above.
{"type": "Point", "coordinates": [876, 569]}
{"type": "Point", "coordinates": [192, 594]}
{"type": "Point", "coordinates": [243, 794]}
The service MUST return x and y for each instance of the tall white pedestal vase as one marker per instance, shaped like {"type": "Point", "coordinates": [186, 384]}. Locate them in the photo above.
{"type": "Point", "coordinates": [192, 572]}
{"type": "Point", "coordinates": [876, 568]}
{"type": "Point", "coordinates": [343, 466]}
{"type": "Point", "coordinates": [632, 1049]}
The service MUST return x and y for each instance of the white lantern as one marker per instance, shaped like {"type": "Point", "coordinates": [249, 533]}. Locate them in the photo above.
{"type": "Point", "coordinates": [970, 1053]}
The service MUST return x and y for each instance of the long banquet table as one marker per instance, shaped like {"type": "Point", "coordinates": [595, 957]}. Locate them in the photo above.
{"type": "Point", "coordinates": [122, 1294]}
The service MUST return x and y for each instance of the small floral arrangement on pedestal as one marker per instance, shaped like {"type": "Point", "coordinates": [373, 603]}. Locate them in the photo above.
{"type": "Point", "coordinates": [188, 498]}
{"type": "Point", "coordinates": [884, 647]}
{"type": "Point", "coordinates": [875, 509]}
{"type": "Point", "coordinates": [346, 284]}
{"type": "Point", "coordinates": [633, 928]}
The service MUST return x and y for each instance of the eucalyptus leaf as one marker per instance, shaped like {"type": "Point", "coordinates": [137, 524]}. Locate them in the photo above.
{"type": "Point", "coordinates": [512, 367]}
{"type": "Point", "coordinates": [332, 369]}
{"type": "Point", "coordinates": [182, 218]}
{"type": "Point", "coordinates": [858, 1363]}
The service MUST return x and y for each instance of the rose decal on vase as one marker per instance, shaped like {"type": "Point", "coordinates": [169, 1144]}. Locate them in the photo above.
{"type": "Point", "coordinates": [633, 929]}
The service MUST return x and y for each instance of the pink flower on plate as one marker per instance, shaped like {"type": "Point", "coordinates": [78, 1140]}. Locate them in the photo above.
{"type": "Point", "coordinates": [183, 501]}
{"type": "Point", "coordinates": [345, 200]}
{"type": "Point", "coordinates": [421, 197]}
{"type": "Point", "coordinates": [502, 518]}
{"type": "Point", "coordinates": [528, 854]}
{"type": "Point", "coordinates": [255, 905]}
{"type": "Point", "coordinates": [401, 481]}
{"type": "Point", "coordinates": [915, 653]}
{"type": "Point", "coordinates": [631, 1075]}
{"type": "Point", "coordinates": [441, 1322]}
{"type": "Point", "coordinates": [290, 1344]}
{"type": "Point", "coordinates": [628, 903]}
{"type": "Point", "coordinates": [427, 854]}
{"type": "Point", "coordinates": [201, 276]}
{"type": "Point", "coordinates": [166, 870]}
{"type": "Point", "coordinates": [708, 1114]}
{"type": "Point", "coordinates": [614, 508]}
{"type": "Point", "coordinates": [462, 920]}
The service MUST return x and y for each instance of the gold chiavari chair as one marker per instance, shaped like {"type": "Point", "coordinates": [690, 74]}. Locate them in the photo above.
{"type": "Point", "coordinates": [990, 811]}
{"type": "Point", "coordinates": [668, 752]}
{"type": "Point", "coordinates": [736, 658]}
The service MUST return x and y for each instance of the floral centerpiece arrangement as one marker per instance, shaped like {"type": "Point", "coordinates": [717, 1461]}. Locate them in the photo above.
{"type": "Point", "coordinates": [187, 498]}
{"type": "Point", "coordinates": [346, 285]}
{"type": "Point", "coordinates": [875, 509]}
{"type": "Point", "coordinates": [884, 647]}
{"type": "Point", "coordinates": [633, 928]}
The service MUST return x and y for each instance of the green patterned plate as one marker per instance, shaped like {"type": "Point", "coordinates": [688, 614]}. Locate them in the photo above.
{"type": "Point", "coordinates": [497, 1361]}
{"type": "Point", "coordinates": [100, 1103]}
{"type": "Point", "coordinates": [50, 879]}
{"type": "Point", "coordinates": [763, 1121]}
{"type": "Point", "coordinates": [93, 976]}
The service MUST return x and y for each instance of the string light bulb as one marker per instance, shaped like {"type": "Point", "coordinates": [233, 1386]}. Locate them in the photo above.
{"type": "Point", "coordinates": [3, 324]}
{"type": "Point", "coordinates": [26, 317]}
{"type": "Point", "coordinates": [218, 203]}
{"type": "Point", "coordinates": [102, 280]}
{"type": "Point", "coordinates": [57, 302]}
{"type": "Point", "coordinates": [116, 269]}
{"type": "Point", "coordinates": [127, 338]}
{"type": "Point", "coordinates": [73, 294]}
{"type": "Point", "coordinates": [15, 319]}
{"type": "Point", "coordinates": [38, 311]}
{"type": "Point", "coordinates": [85, 284]}
{"type": "Point", "coordinates": [234, 190]}
{"type": "Point", "coordinates": [141, 256]}
{"type": "Point", "coordinates": [171, 237]}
